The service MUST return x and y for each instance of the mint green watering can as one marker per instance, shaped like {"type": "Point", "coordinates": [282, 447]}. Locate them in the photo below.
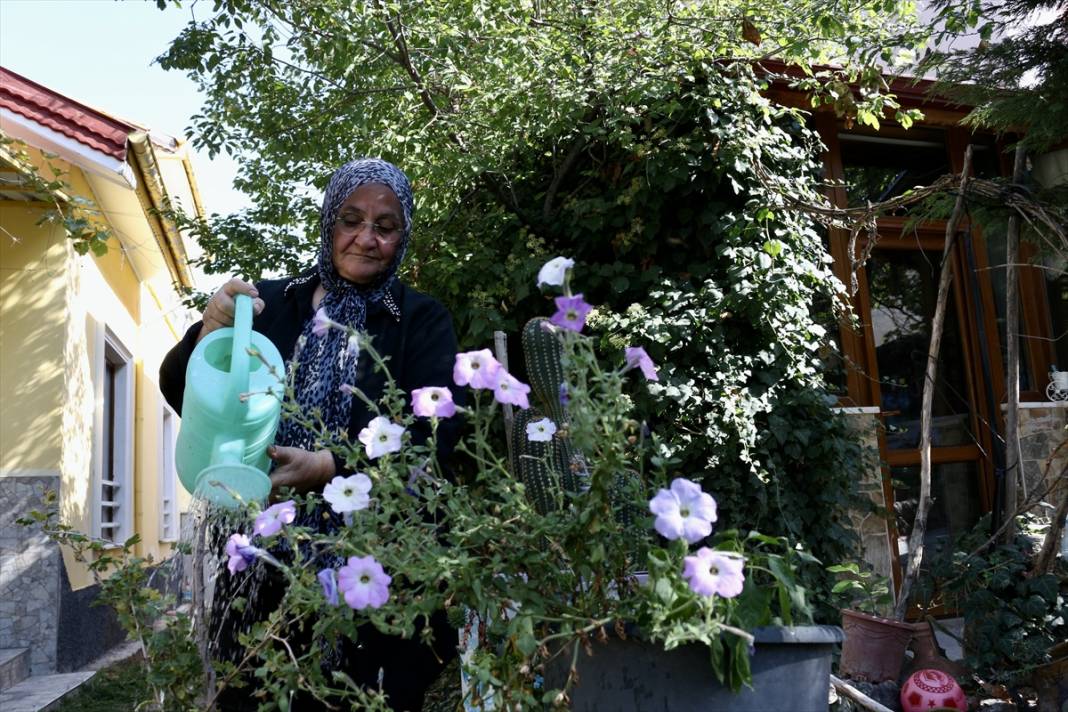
{"type": "Point", "coordinates": [230, 413]}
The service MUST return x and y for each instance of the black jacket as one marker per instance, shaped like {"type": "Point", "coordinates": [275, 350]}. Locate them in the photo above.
{"type": "Point", "coordinates": [420, 346]}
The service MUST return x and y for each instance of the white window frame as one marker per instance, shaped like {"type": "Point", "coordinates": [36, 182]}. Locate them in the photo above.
{"type": "Point", "coordinates": [169, 525]}
{"type": "Point", "coordinates": [107, 348]}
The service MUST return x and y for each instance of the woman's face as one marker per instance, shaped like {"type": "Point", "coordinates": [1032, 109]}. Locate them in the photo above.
{"type": "Point", "coordinates": [360, 255]}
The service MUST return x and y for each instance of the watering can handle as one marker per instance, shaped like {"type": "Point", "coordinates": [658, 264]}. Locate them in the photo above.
{"type": "Point", "coordinates": [239, 356]}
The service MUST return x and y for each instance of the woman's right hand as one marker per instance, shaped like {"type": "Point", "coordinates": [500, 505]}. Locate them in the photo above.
{"type": "Point", "coordinates": [219, 312]}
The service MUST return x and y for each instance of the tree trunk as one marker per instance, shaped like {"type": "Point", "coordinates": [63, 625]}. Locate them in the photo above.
{"type": "Point", "coordinates": [919, 527]}
{"type": "Point", "coordinates": [1013, 456]}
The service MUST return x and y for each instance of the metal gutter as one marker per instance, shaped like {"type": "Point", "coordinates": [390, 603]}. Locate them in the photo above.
{"type": "Point", "coordinates": [153, 194]}
{"type": "Point", "coordinates": [193, 189]}
{"type": "Point", "coordinates": [79, 154]}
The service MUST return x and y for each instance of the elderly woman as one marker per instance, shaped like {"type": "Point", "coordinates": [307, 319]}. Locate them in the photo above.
{"type": "Point", "coordinates": [365, 226]}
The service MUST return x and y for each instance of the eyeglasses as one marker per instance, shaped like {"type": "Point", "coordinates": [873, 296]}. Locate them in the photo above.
{"type": "Point", "coordinates": [351, 226]}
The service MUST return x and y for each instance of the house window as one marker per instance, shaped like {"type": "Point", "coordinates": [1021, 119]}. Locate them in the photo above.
{"type": "Point", "coordinates": [168, 507]}
{"type": "Point", "coordinates": [1057, 290]}
{"type": "Point", "coordinates": [881, 165]}
{"type": "Point", "coordinates": [113, 437]}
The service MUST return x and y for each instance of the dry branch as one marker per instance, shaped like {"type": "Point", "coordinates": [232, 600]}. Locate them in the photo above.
{"type": "Point", "coordinates": [919, 526]}
{"type": "Point", "coordinates": [1017, 198]}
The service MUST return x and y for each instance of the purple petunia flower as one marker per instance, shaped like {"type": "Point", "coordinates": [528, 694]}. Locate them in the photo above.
{"type": "Point", "coordinates": [637, 358]}
{"type": "Point", "coordinates": [509, 389]}
{"type": "Point", "coordinates": [328, 579]}
{"type": "Point", "coordinates": [570, 313]}
{"type": "Point", "coordinates": [433, 401]}
{"type": "Point", "coordinates": [241, 553]}
{"type": "Point", "coordinates": [565, 397]}
{"type": "Point", "coordinates": [684, 511]}
{"type": "Point", "coordinates": [269, 522]}
{"type": "Point", "coordinates": [364, 583]}
{"type": "Point", "coordinates": [477, 369]}
{"type": "Point", "coordinates": [714, 573]}
{"type": "Point", "coordinates": [321, 323]}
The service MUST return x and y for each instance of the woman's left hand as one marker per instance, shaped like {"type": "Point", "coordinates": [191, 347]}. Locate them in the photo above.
{"type": "Point", "coordinates": [299, 469]}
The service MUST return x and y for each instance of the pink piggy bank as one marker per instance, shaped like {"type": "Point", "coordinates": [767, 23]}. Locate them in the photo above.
{"type": "Point", "coordinates": [927, 690]}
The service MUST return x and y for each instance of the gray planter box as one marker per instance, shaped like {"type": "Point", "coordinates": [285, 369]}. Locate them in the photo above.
{"type": "Point", "coordinates": [791, 671]}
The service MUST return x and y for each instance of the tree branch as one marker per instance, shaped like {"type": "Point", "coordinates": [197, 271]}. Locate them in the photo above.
{"type": "Point", "coordinates": [559, 174]}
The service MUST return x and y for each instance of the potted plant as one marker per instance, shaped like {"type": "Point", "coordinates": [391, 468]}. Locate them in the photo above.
{"type": "Point", "coordinates": [874, 647]}
{"type": "Point", "coordinates": [584, 557]}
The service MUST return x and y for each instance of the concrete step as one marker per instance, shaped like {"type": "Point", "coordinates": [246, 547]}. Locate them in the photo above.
{"type": "Point", "coordinates": [42, 692]}
{"type": "Point", "coordinates": [14, 666]}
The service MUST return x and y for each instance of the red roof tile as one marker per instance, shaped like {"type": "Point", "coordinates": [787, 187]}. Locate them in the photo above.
{"type": "Point", "coordinates": [64, 115]}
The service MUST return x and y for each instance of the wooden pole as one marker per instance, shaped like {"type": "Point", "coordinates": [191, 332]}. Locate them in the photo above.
{"type": "Point", "coordinates": [919, 526]}
{"type": "Point", "coordinates": [857, 696]}
{"type": "Point", "coordinates": [1014, 457]}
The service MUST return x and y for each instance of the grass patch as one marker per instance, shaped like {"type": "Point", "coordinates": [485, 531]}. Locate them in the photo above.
{"type": "Point", "coordinates": [119, 688]}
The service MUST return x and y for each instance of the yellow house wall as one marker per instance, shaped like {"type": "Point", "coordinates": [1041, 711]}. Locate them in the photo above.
{"type": "Point", "coordinates": [109, 292]}
{"type": "Point", "coordinates": [33, 275]}
{"type": "Point", "coordinates": [52, 304]}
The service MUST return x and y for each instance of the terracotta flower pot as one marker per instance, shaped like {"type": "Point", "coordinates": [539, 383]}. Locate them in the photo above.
{"type": "Point", "coordinates": [874, 648]}
{"type": "Point", "coordinates": [927, 656]}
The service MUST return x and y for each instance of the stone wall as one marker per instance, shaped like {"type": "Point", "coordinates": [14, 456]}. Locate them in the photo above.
{"type": "Point", "coordinates": [30, 573]}
{"type": "Point", "coordinates": [1042, 442]}
{"type": "Point", "coordinates": [871, 526]}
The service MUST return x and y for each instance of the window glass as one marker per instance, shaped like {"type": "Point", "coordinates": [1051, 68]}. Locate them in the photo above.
{"type": "Point", "coordinates": [1056, 273]}
{"type": "Point", "coordinates": [903, 285]}
{"type": "Point", "coordinates": [884, 165]}
{"type": "Point", "coordinates": [955, 504]}
{"type": "Point", "coordinates": [994, 236]}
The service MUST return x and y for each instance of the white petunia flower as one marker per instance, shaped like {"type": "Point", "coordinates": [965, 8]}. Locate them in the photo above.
{"type": "Point", "coordinates": [381, 437]}
{"type": "Point", "coordinates": [553, 272]}
{"type": "Point", "coordinates": [541, 431]}
{"type": "Point", "coordinates": [348, 494]}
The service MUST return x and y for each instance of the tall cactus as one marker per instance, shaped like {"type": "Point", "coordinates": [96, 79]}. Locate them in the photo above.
{"type": "Point", "coordinates": [544, 353]}
{"type": "Point", "coordinates": [546, 469]}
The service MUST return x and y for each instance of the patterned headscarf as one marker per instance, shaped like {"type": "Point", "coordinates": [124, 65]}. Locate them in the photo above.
{"type": "Point", "coordinates": [325, 362]}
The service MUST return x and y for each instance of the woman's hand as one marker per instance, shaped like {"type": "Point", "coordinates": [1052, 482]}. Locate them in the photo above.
{"type": "Point", "coordinates": [300, 469]}
{"type": "Point", "coordinates": [219, 312]}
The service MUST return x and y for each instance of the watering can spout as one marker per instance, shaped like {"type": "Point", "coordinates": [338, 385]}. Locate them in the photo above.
{"type": "Point", "coordinates": [231, 410]}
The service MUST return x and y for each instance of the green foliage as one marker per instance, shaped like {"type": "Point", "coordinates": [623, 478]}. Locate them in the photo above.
{"type": "Point", "coordinates": [171, 668]}
{"type": "Point", "coordinates": [864, 591]}
{"type": "Point", "coordinates": [1015, 77]}
{"type": "Point", "coordinates": [748, 418]}
{"type": "Point", "coordinates": [524, 126]}
{"type": "Point", "coordinates": [1011, 618]}
{"type": "Point", "coordinates": [80, 218]}
{"type": "Point", "coordinates": [120, 687]}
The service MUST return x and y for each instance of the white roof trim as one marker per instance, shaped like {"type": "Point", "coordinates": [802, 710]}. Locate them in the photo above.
{"type": "Point", "coordinates": [79, 154]}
